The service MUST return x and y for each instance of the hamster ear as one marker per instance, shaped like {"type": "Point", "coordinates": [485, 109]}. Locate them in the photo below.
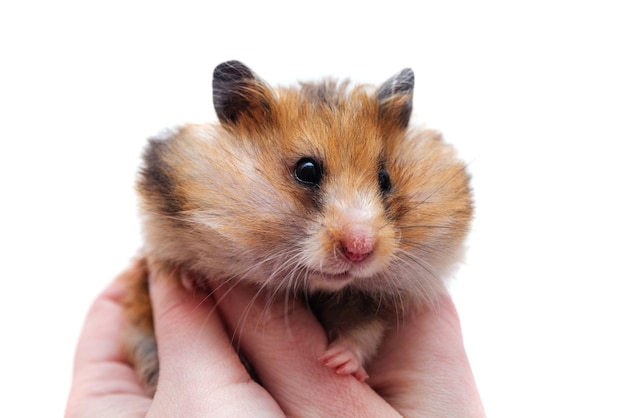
{"type": "Point", "coordinates": [238, 94]}
{"type": "Point", "coordinates": [395, 97]}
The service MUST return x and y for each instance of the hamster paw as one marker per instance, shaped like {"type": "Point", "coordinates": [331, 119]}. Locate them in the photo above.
{"type": "Point", "coordinates": [344, 360]}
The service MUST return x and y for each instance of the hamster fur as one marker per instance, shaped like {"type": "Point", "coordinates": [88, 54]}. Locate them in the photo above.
{"type": "Point", "coordinates": [321, 190]}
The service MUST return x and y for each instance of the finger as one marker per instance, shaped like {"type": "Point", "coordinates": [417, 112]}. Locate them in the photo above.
{"type": "Point", "coordinates": [100, 366]}
{"type": "Point", "coordinates": [422, 367]}
{"type": "Point", "coordinates": [200, 373]}
{"type": "Point", "coordinates": [284, 341]}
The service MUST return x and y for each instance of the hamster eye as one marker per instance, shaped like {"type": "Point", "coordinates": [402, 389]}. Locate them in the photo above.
{"type": "Point", "coordinates": [383, 180]}
{"type": "Point", "coordinates": [308, 172]}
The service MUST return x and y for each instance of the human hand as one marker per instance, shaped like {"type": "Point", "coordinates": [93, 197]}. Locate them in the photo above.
{"type": "Point", "coordinates": [423, 369]}
{"type": "Point", "coordinates": [201, 375]}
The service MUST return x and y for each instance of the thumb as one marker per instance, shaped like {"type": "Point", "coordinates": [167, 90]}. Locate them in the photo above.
{"type": "Point", "coordinates": [200, 372]}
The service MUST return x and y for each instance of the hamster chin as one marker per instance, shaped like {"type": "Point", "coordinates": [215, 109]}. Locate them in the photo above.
{"type": "Point", "coordinates": [335, 282]}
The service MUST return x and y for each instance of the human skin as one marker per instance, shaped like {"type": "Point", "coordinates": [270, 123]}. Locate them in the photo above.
{"type": "Point", "coordinates": [421, 369]}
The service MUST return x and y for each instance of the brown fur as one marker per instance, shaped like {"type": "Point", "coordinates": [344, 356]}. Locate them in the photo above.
{"type": "Point", "coordinates": [221, 200]}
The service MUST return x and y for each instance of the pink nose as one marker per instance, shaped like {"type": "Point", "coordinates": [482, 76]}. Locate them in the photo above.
{"type": "Point", "coordinates": [357, 248]}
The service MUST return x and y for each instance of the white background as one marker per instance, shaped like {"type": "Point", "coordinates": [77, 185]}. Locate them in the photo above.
{"type": "Point", "coordinates": [533, 94]}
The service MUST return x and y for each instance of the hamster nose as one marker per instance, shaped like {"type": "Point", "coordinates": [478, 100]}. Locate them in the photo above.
{"type": "Point", "coordinates": [357, 248]}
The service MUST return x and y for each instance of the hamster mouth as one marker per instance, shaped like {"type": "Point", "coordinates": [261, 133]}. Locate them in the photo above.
{"type": "Point", "coordinates": [344, 274]}
{"type": "Point", "coordinates": [336, 276]}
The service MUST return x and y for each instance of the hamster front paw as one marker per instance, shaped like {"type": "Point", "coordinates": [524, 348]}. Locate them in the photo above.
{"type": "Point", "coordinates": [345, 359]}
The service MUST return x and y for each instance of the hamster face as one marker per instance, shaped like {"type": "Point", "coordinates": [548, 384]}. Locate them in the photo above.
{"type": "Point", "coordinates": [320, 187]}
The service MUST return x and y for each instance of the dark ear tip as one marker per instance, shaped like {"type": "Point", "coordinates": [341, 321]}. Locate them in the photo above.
{"type": "Point", "coordinates": [405, 81]}
{"type": "Point", "coordinates": [401, 83]}
{"type": "Point", "coordinates": [232, 70]}
{"type": "Point", "coordinates": [408, 75]}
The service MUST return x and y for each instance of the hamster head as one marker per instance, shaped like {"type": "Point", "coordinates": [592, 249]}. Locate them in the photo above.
{"type": "Point", "coordinates": [318, 187]}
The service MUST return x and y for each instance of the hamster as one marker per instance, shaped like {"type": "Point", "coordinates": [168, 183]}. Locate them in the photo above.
{"type": "Point", "coordinates": [323, 190]}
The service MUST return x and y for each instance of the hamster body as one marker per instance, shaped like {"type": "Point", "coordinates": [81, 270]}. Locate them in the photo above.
{"type": "Point", "coordinates": [321, 190]}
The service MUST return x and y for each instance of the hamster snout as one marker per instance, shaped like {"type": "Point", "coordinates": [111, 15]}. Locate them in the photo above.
{"type": "Point", "coordinates": [354, 243]}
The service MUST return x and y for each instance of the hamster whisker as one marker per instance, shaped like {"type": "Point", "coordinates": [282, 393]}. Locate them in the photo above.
{"type": "Point", "coordinates": [412, 265]}
{"type": "Point", "coordinates": [436, 251]}
{"type": "Point", "coordinates": [288, 281]}
{"type": "Point", "coordinates": [452, 227]}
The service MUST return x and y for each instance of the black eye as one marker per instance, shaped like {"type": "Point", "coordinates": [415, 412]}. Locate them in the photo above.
{"type": "Point", "coordinates": [308, 172]}
{"type": "Point", "coordinates": [383, 180]}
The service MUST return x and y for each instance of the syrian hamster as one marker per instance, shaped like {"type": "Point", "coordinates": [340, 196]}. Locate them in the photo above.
{"type": "Point", "coordinates": [324, 191]}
